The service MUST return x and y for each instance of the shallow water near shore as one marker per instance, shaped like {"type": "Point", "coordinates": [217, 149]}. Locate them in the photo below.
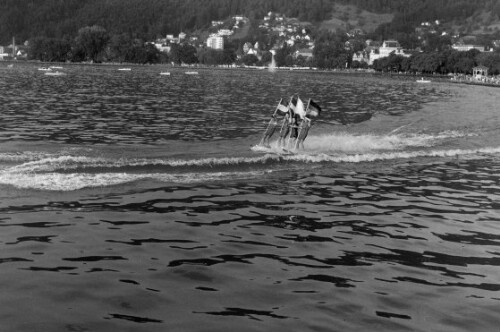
{"type": "Point", "coordinates": [134, 201]}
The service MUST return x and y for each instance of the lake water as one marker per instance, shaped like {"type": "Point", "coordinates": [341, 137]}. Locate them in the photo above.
{"type": "Point", "coordinates": [134, 201]}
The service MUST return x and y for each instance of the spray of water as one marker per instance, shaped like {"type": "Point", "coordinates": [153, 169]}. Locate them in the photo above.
{"type": "Point", "coordinates": [272, 66]}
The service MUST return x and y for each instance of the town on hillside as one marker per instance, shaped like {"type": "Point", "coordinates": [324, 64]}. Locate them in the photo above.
{"type": "Point", "coordinates": [287, 41]}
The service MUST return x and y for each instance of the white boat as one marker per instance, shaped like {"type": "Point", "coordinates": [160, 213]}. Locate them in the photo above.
{"type": "Point", "coordinates": [423, 81]}
{"type": "Point", "coordinates": [166, 73]}
{"type": "Point", "coordinates": [44, 69]}
{"type": "Point", "coordinates": [124, 69]}
{"type": "Point", "coordinates": [191, 73]}
{"type": "Point", "coordinates": [55, 67]}
{"type": "Point", "coordinates": [55, 73]}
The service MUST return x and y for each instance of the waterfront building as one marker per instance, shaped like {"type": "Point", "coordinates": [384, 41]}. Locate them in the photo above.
{"type": "Point", "coordinates": [480, 72]}
{"type": "Point", "coordinates": [3, 53]}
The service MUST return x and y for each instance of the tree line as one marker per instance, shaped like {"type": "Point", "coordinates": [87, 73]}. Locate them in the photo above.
{"type": "Point", "coordinates": [443, 62]}
{"type": "Point", "coordinates": [95, 44]}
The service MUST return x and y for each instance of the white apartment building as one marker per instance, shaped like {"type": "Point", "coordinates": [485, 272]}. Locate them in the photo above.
{"type": "Point", "coordinates": [215, 42]}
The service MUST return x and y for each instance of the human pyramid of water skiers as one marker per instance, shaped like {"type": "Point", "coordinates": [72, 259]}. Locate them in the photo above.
{"type": "Point", "coordinates": [296, 120]}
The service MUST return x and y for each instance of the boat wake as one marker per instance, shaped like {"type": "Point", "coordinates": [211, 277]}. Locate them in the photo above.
{"type": "Point", "coordinates": [70, 171]}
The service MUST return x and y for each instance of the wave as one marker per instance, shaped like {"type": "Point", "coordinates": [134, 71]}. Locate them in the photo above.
{"type": "Point", "coordinates": [45, 176]}
{"type": "Point", "coordinates": [72, 172]}
{"type": "Point", "coordinates": [75, 181]}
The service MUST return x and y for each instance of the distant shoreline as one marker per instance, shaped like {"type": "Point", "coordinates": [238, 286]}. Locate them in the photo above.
{"type": "Point", "coordinates": [439, 78]}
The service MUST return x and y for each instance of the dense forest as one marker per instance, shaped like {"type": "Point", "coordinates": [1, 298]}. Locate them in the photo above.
{"type": "Point", "coordinates": [148, 19]}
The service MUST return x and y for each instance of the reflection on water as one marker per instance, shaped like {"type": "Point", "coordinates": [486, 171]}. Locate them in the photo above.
{"type": "Point", "coordinates": [410, 248]}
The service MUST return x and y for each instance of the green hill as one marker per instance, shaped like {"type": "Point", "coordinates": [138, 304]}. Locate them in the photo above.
{"type": "Point", "coordinates": [149, 19]}
{"type": "Point", "coordinates": [347, 17]}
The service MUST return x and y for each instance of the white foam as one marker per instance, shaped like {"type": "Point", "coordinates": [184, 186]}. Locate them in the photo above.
{"type": "Point", "coordinates": [367, 157]}
{"type": "Point", "coordinates": [75, 181]}
{"type": "Point", "coordinates": [22, 156]}
{"type": "Point", "coordinates": [366, 143]}
{"type": "Point", "coordinates": [68, 163]}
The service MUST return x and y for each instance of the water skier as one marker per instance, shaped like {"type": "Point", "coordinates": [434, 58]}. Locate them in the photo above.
{"type": "Point", "coordinates": [281, 109]}
{"type": "Point", "coordinates": [285, 128]}
{"type": "Point", "coordinates": [305, 125]}
{"type": "Point", "coordinates": [294, 130]}
{"type": "Point", "coordinates": [271, 128]}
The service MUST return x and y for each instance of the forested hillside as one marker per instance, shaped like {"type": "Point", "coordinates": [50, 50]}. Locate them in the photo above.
{"type": "Point", "coordinates": [143, 19]}
{"type": "Point", "coordinates": [148, 19]}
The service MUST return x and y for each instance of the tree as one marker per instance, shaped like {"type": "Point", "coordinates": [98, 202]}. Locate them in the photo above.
{"type": "Point", "coordinates": [175, 54]}
{"type": "Point", "coordinates": [267, 57]}
{"type": "Point", "coordinates": [228, 56]}
{"type": "Point", "coordinates": [465, 65]}
{"type": "Point", "coordinates": [92, 40]}
{"type": "Point", "coordinates": [186, 54]}
{"type": "Point", "coordinates": [142, 53]}
{"type": "Point", "coordinates": [208, 56]}
{"type": "Point", "coordinates": [118, 47]}
{"type": "Point", "coordinates": [490, 60]}
{"type": "Point", "coordinates": [249, 59]}
{"type": "Point", "coordinates": [49, 49]}
{"type": "Point", "coordinates": [281, 55]}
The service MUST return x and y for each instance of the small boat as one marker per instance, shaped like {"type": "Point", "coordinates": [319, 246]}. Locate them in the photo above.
{"type": "Point", "coordinates": [55, 73]}
{"type": "Point", "coordinates": [44, 69]}
{"type": "Point", "coordinates": [124, 69]}
{"type": "Point", "coordinates": [421, 80]}
{"type": "Point", "coordinates": [191, 73]}
{"type": "Point", "coordinates": [55, 67]}
{"type": "Point", "coordinates": [165, 73]}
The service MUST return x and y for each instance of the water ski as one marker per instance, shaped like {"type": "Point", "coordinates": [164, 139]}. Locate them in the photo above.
{"type": "Point", "coordinates": [286, 151]}
{"type": "Point", "coordinates": [273, 150]}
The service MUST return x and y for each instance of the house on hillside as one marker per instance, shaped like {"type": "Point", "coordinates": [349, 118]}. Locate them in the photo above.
{"type": "Point", "coordinates": [161, 46]}
{"type": "Point", "coordinates": [225, 32]}
{"type": "Point", "coordinates": [305, 52]}
{"type": "Point", "coordinates": [362, 56]}
{"type": "Point", "coordinates": [388, 47]}
{"type": "Point", "coordinates": [355, 32]}
{"type": "Point", "coordinates": [467, 47]}
{"type": "Point", "coordinates": [247, 47]}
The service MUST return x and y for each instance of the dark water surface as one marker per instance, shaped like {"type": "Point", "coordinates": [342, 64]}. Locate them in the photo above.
{"type": "Point", "coordinates": [131, 201]}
